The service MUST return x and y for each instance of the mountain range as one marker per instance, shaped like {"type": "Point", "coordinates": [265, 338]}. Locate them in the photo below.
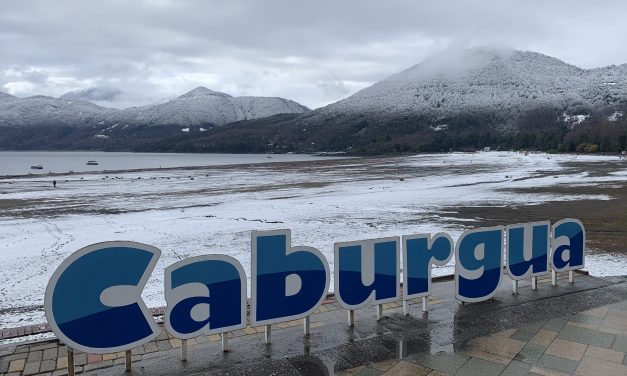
{"type": "Point", "coordinates": [443, 102]}
{"type": "Point", "coordinates": [200, 106]}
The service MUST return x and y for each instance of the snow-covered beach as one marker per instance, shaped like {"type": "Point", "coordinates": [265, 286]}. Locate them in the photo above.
{"type": "Point", "coordinates": [201, 210]}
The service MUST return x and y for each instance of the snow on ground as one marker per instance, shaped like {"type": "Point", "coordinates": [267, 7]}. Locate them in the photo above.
{"type": "Point", "coordinates": [192, 212]}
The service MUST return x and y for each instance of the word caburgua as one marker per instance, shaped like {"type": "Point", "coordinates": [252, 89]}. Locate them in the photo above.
{"type": "Point", "coordinates": [93, 300]}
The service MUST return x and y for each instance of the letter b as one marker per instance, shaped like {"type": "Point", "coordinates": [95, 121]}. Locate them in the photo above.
{"type": "Point", "coordinates": [287, 283]}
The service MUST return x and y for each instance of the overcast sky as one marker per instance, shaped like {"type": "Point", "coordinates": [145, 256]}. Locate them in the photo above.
{"type": "Point", "coordinates": [314, 52]}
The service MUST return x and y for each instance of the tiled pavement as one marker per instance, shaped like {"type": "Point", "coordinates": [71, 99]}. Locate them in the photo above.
{"type": "Point", "coordinates": [593, 342]}
{"type": "Point", "coordinates": [447, 340]}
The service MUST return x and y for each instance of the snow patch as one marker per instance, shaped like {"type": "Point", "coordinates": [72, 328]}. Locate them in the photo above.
{"type": "Point", "coordinates": [617, 115]}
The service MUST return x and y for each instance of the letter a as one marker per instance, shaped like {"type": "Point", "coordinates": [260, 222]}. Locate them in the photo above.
{"type": "Point", "coordinates": [568, 245]}
{"type": "Point", "coordinates": [205, 295]}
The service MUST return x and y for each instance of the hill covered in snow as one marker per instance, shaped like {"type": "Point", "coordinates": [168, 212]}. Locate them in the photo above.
{"type": "Point", "coordinates": [200, 106]}
{"type": "Point", "coordinates": [42, 110]}
{"type": "Point", "coordinates": [505, 83]}
{"type": "Point", "coordinates": [203, 106]}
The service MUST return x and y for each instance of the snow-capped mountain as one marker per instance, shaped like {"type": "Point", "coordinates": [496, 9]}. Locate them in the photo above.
{"type": "Point", "coordinates": [481, 79]}
{"type": "Point", "coordinates": [470, 99]}
{"type": "Point", "coordinates": [202, 106]}
{"type": "Point", "coordinates": [199, 106]}
{"type": "Point", "coordinates": [43, 110]}
{"type": "Point", "coordinates": [6, 97]}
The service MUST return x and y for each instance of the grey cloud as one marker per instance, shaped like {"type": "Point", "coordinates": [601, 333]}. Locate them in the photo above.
{"type": "Point", "coordinates": [151, 50]}
{"type": "Point", "coordinates": [94, 94]}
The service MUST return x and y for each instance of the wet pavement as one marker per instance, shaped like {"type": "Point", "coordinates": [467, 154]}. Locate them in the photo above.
{"type": "Point", "coordinates": [578, 328]}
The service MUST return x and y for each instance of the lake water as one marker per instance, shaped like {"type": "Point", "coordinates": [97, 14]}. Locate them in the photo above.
{"type": "Point", "coordinates": [19, 163]}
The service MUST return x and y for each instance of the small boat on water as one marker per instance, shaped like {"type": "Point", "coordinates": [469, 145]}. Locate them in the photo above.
{"type": "Point", "coordinates": [92, 163]}
{"type": "Point", "coordinates": [37, 167]}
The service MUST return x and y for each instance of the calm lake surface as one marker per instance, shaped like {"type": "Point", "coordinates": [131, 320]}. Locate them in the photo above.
{"type": "Point", "coordinates": [19, 163]}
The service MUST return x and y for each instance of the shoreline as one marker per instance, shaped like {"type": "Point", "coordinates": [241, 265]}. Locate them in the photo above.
{"type": "Point", "coordinates": [214, 208]}
{"type": "Point", "coordinates": [177, 168]}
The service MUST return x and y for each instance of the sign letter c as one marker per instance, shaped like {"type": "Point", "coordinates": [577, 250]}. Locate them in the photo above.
{"type": "Point", "coordinates": [93, 300]}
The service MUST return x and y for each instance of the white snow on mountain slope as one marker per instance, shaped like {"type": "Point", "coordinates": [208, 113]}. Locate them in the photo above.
{"type": "Point", "coordinates": [490, 79]}
{"type": "Point", "coordinates": [202, 91]}
{"type": "Point", "coordinates": [202, 106]}
{"type": "Point", "coordinates": [6, 97]}
{"type": "Point", "coordinates": [199, 106]}
{"type": "Point", "coordinates": [42, 110]}
{"type": "Point", "coordinates": [505, 82]}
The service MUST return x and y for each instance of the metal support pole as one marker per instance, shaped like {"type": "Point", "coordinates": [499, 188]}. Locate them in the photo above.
{"type": "Point", "coordinates": [70, 362]}
{"type": "Point", "coordinates": [534, 283]}
{"type": "Point", "coordinates": [127, 356]}
{"type": "Point", "coordinates": [225, 341]}
{"type": "Point", "coordinates": [553, 277]}
{"type": "Point", "coordinates": [399, 349]}
{"type": "Point", "coordinates": [405, 308]}
{"type": "Point", "coordinates": [183, 350]}
{"type": "Point", "coordinates": [515, 287]}
{"type": "Point", "coordinates": [306, 325]}
{"type": "Point", "coordinates": [268, 336]}
{"type": "Point", "coordinates": [571, 276]}
{"type": "Point", "coordinates": [351, 318]}
{"type": "Point", "coordinates": [379, 311]}
{"type": "Point", "coordinates": [425, 302]}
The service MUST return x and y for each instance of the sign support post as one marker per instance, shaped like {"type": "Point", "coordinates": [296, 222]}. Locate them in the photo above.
{"type": "Point", "coordinates": [553, 278]}
{"type": "Point", "coordinates": [571, 276]}
{"type": "Point", "coordinates": [70, 362]}
{"type": "Point", "coordinates": [127, 355]}
{"type": "Point", "coordinates": [379, 311]}
{"type": "Point", "coordinates": [351, 318]}
{"type": "Point", "coordinates": [183, 350]}
{"type": "Point", "coordinates": [405, 308]}
{"type": "Point", "coordinates": [268, 336]}
{"type": "Point", "coordinates": [515, 287]}
{"type": "Point", "coordinates": [534, 283]}
{"type": "Point", "coordinates": [424, 304]}
{"type": "Point", "coordinates": [225, 341]}
{"type": "Point", "coordinates": [306, 325]}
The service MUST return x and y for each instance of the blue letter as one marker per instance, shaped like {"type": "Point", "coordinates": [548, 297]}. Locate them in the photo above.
{"type": "Point", "coordinates": [93, 301]}
{"type": "Point", "coordinates": [568, 245]}
{"type": "Point", "coordinates": [287, 283]}
{"type": "Point", "coordinates": [478, 263]}
{"type": "Point", "coordinates": [527, 250]}
{"type": "Point", "coordinates": [205, 295]}
{"type": "Point", "coordinates": [419, 253]}
{"type": "Point", "coordinates": [367, 270]}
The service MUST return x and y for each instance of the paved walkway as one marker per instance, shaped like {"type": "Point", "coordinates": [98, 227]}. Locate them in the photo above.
{"type": "Point", "coordinates": [578, 328]}
{"type": "Point", "coordinates": [593, 342]}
